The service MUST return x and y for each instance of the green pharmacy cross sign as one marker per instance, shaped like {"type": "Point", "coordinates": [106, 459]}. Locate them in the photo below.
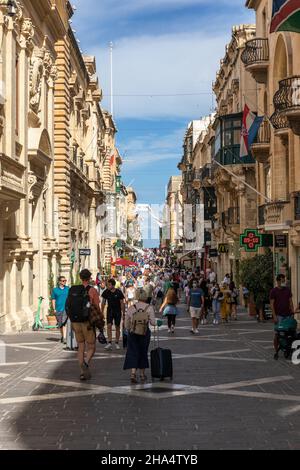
{"type": "Point", "coordinates": [251, 240]}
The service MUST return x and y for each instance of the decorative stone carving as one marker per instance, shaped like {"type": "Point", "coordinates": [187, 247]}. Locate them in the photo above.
{"type": "Point", "coordinates": [27, 33]}
{"type": "Point", "coordinates": [54, 73]}
{"type": "Point", "coordinates": [36, 75]}
{"type": "Point", "coordinates": [32, 181]}
{"type": "Point", "coordinates": [18, 16]}
{"type": "Point", "coordinates": [48, 62]}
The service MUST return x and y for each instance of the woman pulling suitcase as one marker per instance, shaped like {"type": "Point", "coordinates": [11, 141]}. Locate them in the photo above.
{"type": "Point", "coordinates": [137, 320]}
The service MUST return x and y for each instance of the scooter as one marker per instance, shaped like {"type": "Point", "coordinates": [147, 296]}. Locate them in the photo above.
{"type": "Point", "coordinates": [38, 324]}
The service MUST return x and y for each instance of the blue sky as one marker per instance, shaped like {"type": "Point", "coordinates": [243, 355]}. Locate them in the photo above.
{"type": "Point", "coordinates": [161, 47]}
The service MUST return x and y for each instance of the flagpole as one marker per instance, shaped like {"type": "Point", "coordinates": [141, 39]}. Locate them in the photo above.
{"type": "Point", "coordinates": [111, 46]}
{"type": "Point", "coordinates": [242, 181]}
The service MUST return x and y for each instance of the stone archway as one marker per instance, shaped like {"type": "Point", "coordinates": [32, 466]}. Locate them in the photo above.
{"type": "Point", "coordinates": [40, 198]}
{"type": "Point", "coordinates": [280, 70]}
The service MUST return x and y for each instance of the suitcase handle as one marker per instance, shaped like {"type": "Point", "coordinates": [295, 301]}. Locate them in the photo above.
{"type": "Point", "coordinates": [156, 335]}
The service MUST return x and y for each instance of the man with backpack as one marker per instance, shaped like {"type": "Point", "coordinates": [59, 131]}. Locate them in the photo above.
{"type": "Point", "coordinates": [115, 310]}
{"type": "Point", "coordinates": [82, 300]}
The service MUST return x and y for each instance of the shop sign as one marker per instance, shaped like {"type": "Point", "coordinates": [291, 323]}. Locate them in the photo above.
{"type": "Point", "coordinates": [85, 252]}
{"type": "Point", "coordinates": [280, 241]}
{"type": "Point", "coordinates": [213, 253]}
{"type": "Point", "coordinates": [251, 240]}
{"type": "Point", "coordinates": [223, 248]}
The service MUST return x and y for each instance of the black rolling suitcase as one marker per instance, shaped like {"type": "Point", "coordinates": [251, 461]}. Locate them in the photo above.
{"type": "Point", "coordinates": [161, 362]}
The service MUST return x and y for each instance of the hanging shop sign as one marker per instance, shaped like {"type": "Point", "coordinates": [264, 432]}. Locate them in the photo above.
{"type": "Point", "coordinates": [213, 253]}
{"type": "Point", "coordinates": [118, 184]}
{"type": "Point", "coordinates": [223, 248]}
{"type": "Point", "coordinates": [85, 252]}
{"type": "Point", "coordinates": [280, 241]}
{"type": "Point", "coordinates": [251, 240]}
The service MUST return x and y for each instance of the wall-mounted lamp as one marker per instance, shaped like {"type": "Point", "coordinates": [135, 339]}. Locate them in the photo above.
{"type": "Point", "coordinates": [11, 8]}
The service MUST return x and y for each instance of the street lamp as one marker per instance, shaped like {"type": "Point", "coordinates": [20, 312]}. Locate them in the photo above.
{"type": "Point", "coordinates": [11, 8]}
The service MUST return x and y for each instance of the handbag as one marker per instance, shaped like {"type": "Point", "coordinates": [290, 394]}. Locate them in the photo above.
{"type": "Point", "coordinates": [101, 337]}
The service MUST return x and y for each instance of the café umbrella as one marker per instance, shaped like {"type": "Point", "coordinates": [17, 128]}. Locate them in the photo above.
{"type": "Point", "coordinates": [125, 263]}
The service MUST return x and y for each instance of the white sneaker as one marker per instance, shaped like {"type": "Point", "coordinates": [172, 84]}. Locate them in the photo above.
{"type": "Point", "coordinates": [108, 347]}
{"type": "Point", "coordinates": [197, 331]}
{"type": "Point", "coordinates": [169, 331]}
{"type": "Point", "coordinates": [202, 322]}
{"type": "Point", "coordinates": [117, 346]}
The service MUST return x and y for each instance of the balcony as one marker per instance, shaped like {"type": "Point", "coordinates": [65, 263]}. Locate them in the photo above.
{"type": "Point", "coordinates": [280, 123]}
{"type": "Point", "coordinates": [287, 101]}
{"type": "Point", "coordinates": [206, 172]}
{"type": "Point", "coordinates": [261, 147]}
{"type": "Point", "coordinates": [197, 179]}
{"type": "Point", "coordinates": [233, 216]}
{"type": "Point", "coordinates": [277, 216]}
{"type": "Point", "coordinates": [256, 59]}
{"type": "Point", "coordinates": [261, 216]}
{"type": "Point", "coordinates": [231, 156]}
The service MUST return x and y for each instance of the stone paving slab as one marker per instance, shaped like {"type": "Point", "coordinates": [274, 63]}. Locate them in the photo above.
{"type": "Point", "coordinates": [253, 403]}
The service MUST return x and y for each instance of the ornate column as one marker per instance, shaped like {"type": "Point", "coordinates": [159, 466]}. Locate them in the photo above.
{"type": "Point", "coordinates": [10, 89]}
{"type": "Point", "coordinates": [25, 43]}
{"type": "Point", "coordinates": [62, 151]}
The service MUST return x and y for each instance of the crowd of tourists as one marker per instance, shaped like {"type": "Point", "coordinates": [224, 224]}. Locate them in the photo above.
{"type": "Point", "coordinates": [130, 302]}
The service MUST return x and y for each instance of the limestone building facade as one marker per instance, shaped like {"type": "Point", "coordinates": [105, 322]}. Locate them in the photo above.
{"type": "Point", "coordinates": [236, 203]}
{"type": "Point", "coordinates": [274, 61]}
{"type": "Point", "coordinates": [58, 159]}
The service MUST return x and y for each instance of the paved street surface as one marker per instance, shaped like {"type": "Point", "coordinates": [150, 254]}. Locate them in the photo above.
{"type": "Point", "coordinates": [227, 393]}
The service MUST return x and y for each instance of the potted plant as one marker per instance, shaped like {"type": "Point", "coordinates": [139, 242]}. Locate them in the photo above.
{"type": "Point", "coordinates": [256, 274]}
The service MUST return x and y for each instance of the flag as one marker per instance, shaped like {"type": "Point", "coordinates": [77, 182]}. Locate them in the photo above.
{"type": "Point", "coordinates": [112, 159]}
{"type": "Point", "coordinates": [286, 16]}
{"type": "Point", "coordinates": [250, 127]}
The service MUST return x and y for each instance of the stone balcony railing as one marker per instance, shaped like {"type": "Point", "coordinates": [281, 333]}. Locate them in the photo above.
{"type": "Point", "coordinates": [256, 58]}
{"type": "Point", "coordinates": [277, 215]}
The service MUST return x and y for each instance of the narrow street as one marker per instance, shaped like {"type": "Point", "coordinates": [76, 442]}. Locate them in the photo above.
{"type": "Point", "coordinates": [227, 393]}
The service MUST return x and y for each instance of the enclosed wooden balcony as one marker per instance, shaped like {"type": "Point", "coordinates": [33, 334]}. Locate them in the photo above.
{"type": "Point", "coordinates": [261, 147]}
{"type": "Point", "coordinates": [256, 58]}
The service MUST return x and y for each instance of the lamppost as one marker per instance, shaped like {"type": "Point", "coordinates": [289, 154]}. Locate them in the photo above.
{"type": "Point", "coordinates": [11, 8]}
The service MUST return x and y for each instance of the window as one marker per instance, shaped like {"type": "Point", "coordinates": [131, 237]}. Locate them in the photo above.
{"type": "Point", "coordinates": [268, 187]}
{"type": "Point", "coordinates": [217, 139]}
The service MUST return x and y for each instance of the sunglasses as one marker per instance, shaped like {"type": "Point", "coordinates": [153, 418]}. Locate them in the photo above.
{"type": "Point", "coordinates": [63, 280]}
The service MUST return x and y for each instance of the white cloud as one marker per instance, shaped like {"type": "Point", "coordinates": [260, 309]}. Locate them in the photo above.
{"type": "Point", "coordinates": [113, 8]}
{"type": "Point", "coordinates": [169, 64]}
{"type": "Point", "coordinates": [152, 148]}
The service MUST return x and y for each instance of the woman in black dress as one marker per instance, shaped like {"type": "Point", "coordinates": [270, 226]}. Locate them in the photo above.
{"type": "Point", "coordinates": [138, 340]}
